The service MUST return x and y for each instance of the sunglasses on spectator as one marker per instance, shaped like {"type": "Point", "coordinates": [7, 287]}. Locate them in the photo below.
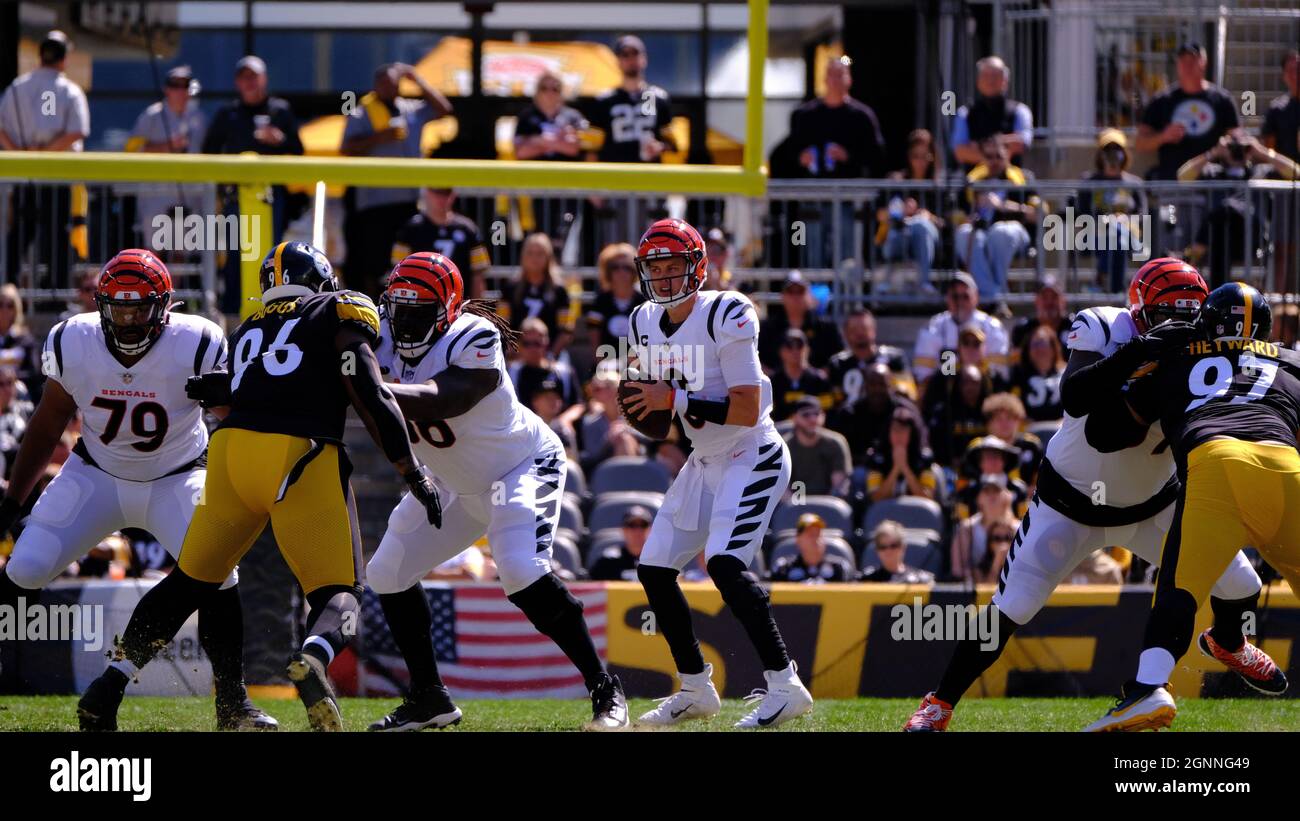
{"type": "Point", "coordinates": [794, 343]}
{"type": "Point", "coordinates": [549, 87]}
{"type": "Point", "coordinates": [959, 296]}
{"type": "Point", "coordinates": [637, 525]}
{"type": "Point", "coordinates": [810, 413]}
{"type": "Point", "coordinates": [629, 52]}
{"type": "Point", "coordinates": [889, 546]}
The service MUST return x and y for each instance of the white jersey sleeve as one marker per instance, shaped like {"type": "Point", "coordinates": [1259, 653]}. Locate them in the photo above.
{"type": "Point", "coordinates": [929, 345]}
{"type": "Point", "coordinates": [1100, 330]}
{"type": "Point", "coordinates": [736, 332]}
{"type": "Point", "coordinates": [477, 346]}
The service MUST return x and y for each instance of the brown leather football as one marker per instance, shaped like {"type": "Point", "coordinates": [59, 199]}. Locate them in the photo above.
{"type": "Point", "coordinates": [654, 424]}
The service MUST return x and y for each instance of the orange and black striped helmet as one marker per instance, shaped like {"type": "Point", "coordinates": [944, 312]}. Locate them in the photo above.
{"type": "Point", "coordinates": [1165, 289]}
{"type": "Point", "coordinates": [424, 297]}
{"type": "Point", "coordinates": [134, 295]}
{"type": "Point", "coordinates": [667, 238]}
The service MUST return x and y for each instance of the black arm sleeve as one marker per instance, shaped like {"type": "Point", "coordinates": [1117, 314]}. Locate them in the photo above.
{"type": "Point", "coordinates": [710, 410]}
{"type": "Point", "coordinates": [1087, 385]}
{"type": "Point", "coordinates": [376, 406]}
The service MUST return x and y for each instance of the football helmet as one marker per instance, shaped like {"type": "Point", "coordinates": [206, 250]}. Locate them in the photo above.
{"type": "Point", "coordinates": [134, 295]}
{"type": "Point", "coordinates": [665, 239]}
{"type": "Point", "coordinates": [295, 269]}
{"type": "Point", "coordinates": [1165, 289]}
{"type": "Point", "coordinates": [424, 296]}
{"type": "Point", "coordinates": [1236, 311]}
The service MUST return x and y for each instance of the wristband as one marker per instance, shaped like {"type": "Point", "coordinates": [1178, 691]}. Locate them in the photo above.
{"type": "Point", "coordinates": [680, 401]}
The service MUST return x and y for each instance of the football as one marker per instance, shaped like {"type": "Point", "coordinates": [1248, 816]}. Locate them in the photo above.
{"type": "Point", "coordinates": [654, 424]}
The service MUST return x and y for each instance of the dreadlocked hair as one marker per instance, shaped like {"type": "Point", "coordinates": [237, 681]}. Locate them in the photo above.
{"type": "Point", "coordinates": [487, 310]}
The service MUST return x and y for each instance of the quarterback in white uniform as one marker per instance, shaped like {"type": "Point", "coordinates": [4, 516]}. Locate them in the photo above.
{"type": "Point", "coordinates": [1094, 491]}
{"type": "Point", "coordinates": [701, 350]}
{"type": "Point", "coordinates": [499, 470]}
{"type": "Point", "coordinates": [140, 460]}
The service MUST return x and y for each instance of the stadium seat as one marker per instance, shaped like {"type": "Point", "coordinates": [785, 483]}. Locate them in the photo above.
{"type": "Point", "coordinates": [1044, 431]}
{"type": "Point", "coordinates": [575, 481]}
{"type": "Point", "coordinates": [624, 473]}
{"type": "Point", "coordinates": [564, 552]}
{"type": "Point", "coordinates": [571, 513]}
{"type": "Point", "coordinates": [836, 512]}
{"type": "Point", "coordinates": [915, 512]}
{"type": "Point", "coordinates": [609, 507]}
{"type": "Point", "coordinates": [601, 539]}
{"type": "Point", "coordinates": [835, 546]}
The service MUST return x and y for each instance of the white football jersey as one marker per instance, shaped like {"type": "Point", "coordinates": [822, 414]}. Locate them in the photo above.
{"type": "Point", "coordinates": [471, 451]}
{"type": "Point", "coordinates": [1129, 476]}
{"type": "Point", "coordinates": [137, 422]}
{"type": "Point", "coordinates": [688, 355]}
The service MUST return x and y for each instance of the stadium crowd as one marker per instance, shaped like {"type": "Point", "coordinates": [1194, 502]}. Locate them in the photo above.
{"type": "Point", "coordinates": [908, 465]}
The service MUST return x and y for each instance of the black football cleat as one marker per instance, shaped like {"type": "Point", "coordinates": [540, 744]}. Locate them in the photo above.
{"type": "Point", "coordinates": [241, 714]}
{"type": "Point", "coordinates": [608, 706]}
{"type": "Point", "coordinates": [97, 709]}
{"type": "Point", "coordinates": [418, 712]}
{"type": "Point", "coordinates": [308, 675]}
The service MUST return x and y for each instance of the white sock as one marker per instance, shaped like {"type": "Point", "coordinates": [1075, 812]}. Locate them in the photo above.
{"type": "Point", "coordinates": [698, 681]}
{"type": "Point", "coordinates": [320, 642]}
{"type": "Point", "coordinates": [125, 667]}
{"type": "Point", "coordinates": [1154, 666]}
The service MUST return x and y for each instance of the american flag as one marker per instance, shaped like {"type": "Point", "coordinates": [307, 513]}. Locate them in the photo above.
{"type": "Point", "coordinates": [485, 646]}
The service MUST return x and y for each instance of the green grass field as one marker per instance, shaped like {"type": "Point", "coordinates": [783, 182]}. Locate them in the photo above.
{"type": "Point", "coordinates": [57, 714]}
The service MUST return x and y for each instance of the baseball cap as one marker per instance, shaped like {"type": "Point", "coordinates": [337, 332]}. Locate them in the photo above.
{"type": "Point", "coordinates": [795, 335]}
{"type": "Point", "coordinates": [629, 41]}
{"type": "Point", "coordinates": [548, 384]}
{"type": "Point", "coordinates": [636, 513]}
{"type": "Point", "coordinates": [1190, 47]}
{"type": "Point", "coordinates": [807, 403]}
{"type": "Point", "coordinates": [251, 63]}
{"type": "Point", "coordinates": [794, 278]}
{"type": "Point", "coordinates": [808, 520]}
{"type": "Point", "coordinates": [964, 278]}
{"type": "Point", "coordinates": [1049, 282]}
{"type": "Point", "coordinates": [55, 45]}
{"type": "Point", "coordinates": [716, 235]}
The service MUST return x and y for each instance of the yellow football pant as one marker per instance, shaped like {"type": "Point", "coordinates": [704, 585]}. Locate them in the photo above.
{"type": "Point", "coordinates": [300, 487]}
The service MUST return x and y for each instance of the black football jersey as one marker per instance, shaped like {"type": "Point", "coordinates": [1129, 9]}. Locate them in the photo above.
{"type": "Point", "coordinates": [1242, 388]}
{"type": "Point", "coordinates": [628, 118]}
{"type": "Point", "coordinates": [459, 241]}
{"type": "Point", "coordinates": [287, 374]}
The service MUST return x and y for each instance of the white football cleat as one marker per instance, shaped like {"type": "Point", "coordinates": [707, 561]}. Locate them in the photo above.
{"type": "Point", "coordinates": [785, 698]}
{"type": "Point", "coordinates": [697, 698]}
{"type": "Point", "coordinates": [1139, 708]}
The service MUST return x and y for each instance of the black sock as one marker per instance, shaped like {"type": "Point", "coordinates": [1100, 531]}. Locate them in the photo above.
{"type": "Point", "coordinates": [1229, 619]}
{"type": "Point", "coordinates": [160, 614]}
{"type": "Point", "coordinates": [411, 622]}
{"type": "Point", "coordinates": [970, 660]}
{"type": "Point", "coordinates": [221, 633]}
{"type": "Point", "coordinates": [10, 592]}
{"type": "Point", "coordinates": [335, 613]}
{"type": "Point", "coordinates": [672, 616]}
{"type": "Point", "coordinates": [556, 614]}
{"type": "Point", "coordinates": [750, 603]}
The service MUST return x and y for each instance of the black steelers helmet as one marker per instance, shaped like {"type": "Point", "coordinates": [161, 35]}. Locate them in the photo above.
{"type": "Point", "coordinates": [295, 269]}
{"type": "Point", "coordinates": [1236, 311]}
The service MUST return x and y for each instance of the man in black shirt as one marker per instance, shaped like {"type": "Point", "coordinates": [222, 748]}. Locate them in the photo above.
{"type": "Point", "coordinates": [797, 310]}
{"type": "Point", "coordinates": [847, 369]}
{"type": "Point", "coordinates": [836, 135]}
{"type": "Point", "coordinates": [1281, 129]}
{"type": "Point", "coordinates": [634, 115]}
{"type": "Point", "coordinates": [1185, 119]}
{"type": "Point", "coordinates": [617, 563]}
{"type": "Point", "coordinates": [811, 564]}
{"type": "Point", "coordinates": [455, 236]}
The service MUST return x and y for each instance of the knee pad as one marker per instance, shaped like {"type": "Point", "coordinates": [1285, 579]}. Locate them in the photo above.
{"type": "Point", "coordinates": [655, 579]}
{"type": "Point", "coordinates": [1172, 622]}
{"type": "Point", "coordinates": [739, 588]}
{"type": "Point", "coordinates": [383, 577]}
{"type": "Point", "coordinates": [30, 568]}
{"type": "Point", "coordinates": [546, 602]}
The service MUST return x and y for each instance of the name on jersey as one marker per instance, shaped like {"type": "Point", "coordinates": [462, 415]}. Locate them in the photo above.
{"type": "Point", "coordinates": [1255, 346]}
{"type": "Point", "coordinates": [128, 394]}
{"type": "Point", "coordinates": [683, 364]}
{"type": "Point", "coordinates": [288, 306]}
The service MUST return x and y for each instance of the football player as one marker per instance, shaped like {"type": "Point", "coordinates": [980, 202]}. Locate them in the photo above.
{"type": "Point", "coordinates": [298, 362]}
{"type": "Point", "coordinates": [1228, 402]}
{"type": "Point", "coordinates": [1097, 489]}
{"type": "Point", "coordinates": [700, 349]}
{"type": "Point", "coordinates": [141, 459]}
{"type": "Point", "coordinates": [501, 471]}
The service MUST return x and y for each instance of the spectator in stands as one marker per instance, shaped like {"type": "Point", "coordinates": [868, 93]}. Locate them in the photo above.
{"type": "Point", "coordinates": [548, 129]}
{"type": "Point", "coordinates": [1004, 414]}
{"type": "Point", "coordinates": [1281, 129]}
{"type": "Point", "coordinates": [1098, 568]}
{"type": "Point", "coordinates": [811, 564]}
{"type": "Point", "coordinates": [889, 542]}
{"type": "Point", "coordinates": [87, 286]}
{"type": "Point", "coordinates": [1222, 234]}
{"type": "Point", "coordinates": [847, 369]}
{"type": "Point", "coordinates": [1000, 219]}
{"type": "Point", "coordinates": [981, 543]}
{"type": "Point", "coordinates": [953, 408]}
{"type": "Point", "coordinates": [43, 110]}
{"type": "Point", "coordinates": [1036, 381]}
{"type": "Point", "coordinates": [865, 423]}
{"type": "Point", "coordinates": [819, 458]}
{"type": "Point", "coordinates": [173, 125]}
{"type": "Point", "coordinates": [1187, 118]}
{"type": "Point", "coordinates": [440, 228]}
{"type": "Point", "coordinates": [539, 292]}
{"type": "Point", "coordinates": [937, 341]}
{"type": "Point", "coordinates": [908, 221]}
{"type": "Point", "coordinates": [618, 562]}
{"type": "Point", "coordinates": [535, 365]}
{"type": "Point", "coordinates": [718, 247]}
{"type": "Point", "coordinates": [1112, 207]}
{"type": "Point", "coordinates": [547, 401]}
{"type": "Point", "coordinates": [798, 309]}
{"type": "Point", "coordinates": [619, 294]}
{"type": "Point", "coordinates": [15, 411]}
{"type": "Point", "coordinates": [635, 115]}
{"type": "Point", "coordinates": [385, 124]}
{"type": "Point", "coordinates": [990, 456]}
{"type": "Point", "coordinates": [904, 466]}
{"type": "Point", "coordinates": [1049, 310]}
{"type": "Point", "coordinates": [602, 431]}
{"type": "Point", "coordinates": [18, 348]}
{"type": "Point", "coordinates": [796, 379]}
{"type": "Point", "coordinates": [993, 115]}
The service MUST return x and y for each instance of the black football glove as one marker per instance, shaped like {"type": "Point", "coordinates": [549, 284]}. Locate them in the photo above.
{"type": "Point", "coordinates": [210, 390]}
{"type": "Point", "coordinates": [10, 511]}
{"type": "Point", "coordinates": [1174, 334]}
{"type": "Point", "coordinates": [425, 492]}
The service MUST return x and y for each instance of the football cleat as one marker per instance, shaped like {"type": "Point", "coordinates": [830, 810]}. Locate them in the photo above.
{"type": "Point", "coordinates": [785, 698]}
{"type": "Point", "coordinates": [931, 717]}
{"type": "Point", "coordinates": [1141, 707]}
{"type": "Point", "coordinates": [697, 698]}
{"type": "Point", "coordinates": [97, 708]}
{"type": "Point", "coordinates": [1251, 663]}
{"type": "Point", "coordinates": [241, 714]}
{"type": "Point", "coordinates": [608, 706]}
{"type": "Point", "coordinates": [309, 677]}
{"type": "Point", "coordinates": [420, 712]}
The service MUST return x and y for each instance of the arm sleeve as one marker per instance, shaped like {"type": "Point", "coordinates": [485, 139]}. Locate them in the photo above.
{"type": "Point", "coordinates": [79, 117]}
{"type": "Point", "coordinates": [736, 332]}
{"type": "Point", "coordinates": [212, 353]}
{"type": "Point", "coordinates": [355, 310]}
{"type": "Point", "coordinates": [479, 348]}
{"type": "Point", "coordinates": [53, 353]}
